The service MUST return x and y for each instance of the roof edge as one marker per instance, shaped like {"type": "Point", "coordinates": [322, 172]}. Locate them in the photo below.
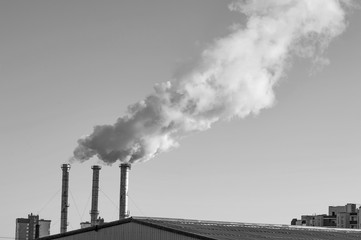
{"type": "Point", "coordinates": [247, 224]}
{"type": "Point", "coordinates": [144, 221]}
{"type": "Point", "coordinates": [170, 229]}
{"type": "Point", "coordinates": [123, 221]}
{"type": "Point", "coordinates": [88, 229]}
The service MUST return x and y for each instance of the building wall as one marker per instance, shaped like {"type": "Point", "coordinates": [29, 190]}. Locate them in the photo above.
{"type": "Point", "coordinates": [33, 221]}
{"type": "Point", "coordinates": [44, 227]}
{"type": "Point", "coordinates": [25, 228]}
{"type": "Point", "coordinates": [329, 221]}
{"type": "Point", "coordinates": [22, 228]}
{"type": "Point", "coordinates": [334, 210]}
{"type": "Point", "coordinates": [128, 231]}
{"type": "Point", "coordinates": [343, 220]}
{"type": "Point", "coordinates": [300, 223]}
{"type": "Point", "coordinates": [350, 207]}
{"type": "Point", "coordinates": [319, 220]}
{"type": "Point", "coordinates": [309, 220]}
{"type": "Point", "coordinates": [85, 224]}
{"type": "Point", "coordinates": [353, 220]}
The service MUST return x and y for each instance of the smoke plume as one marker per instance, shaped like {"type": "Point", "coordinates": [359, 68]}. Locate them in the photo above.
{"type": "Point", "coordinates": [234, 78]}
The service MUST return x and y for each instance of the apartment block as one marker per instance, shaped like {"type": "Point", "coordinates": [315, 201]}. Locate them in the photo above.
{"type": "Point", "coordinates": [348, 216]}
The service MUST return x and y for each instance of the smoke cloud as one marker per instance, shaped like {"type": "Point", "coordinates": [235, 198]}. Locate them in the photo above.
{"type": "Point", "coordinates": [234, 78]}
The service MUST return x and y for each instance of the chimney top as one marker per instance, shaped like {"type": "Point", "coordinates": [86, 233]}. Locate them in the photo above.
{"type": "Point", "coordinates": [96, 167]}
{"type": "Point", "coordinates": [126, 165]}
{"type": "Point", "coordinates": [65, 166]}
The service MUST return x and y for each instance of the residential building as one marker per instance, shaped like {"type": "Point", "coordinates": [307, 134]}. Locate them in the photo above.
{"type": "Point", "coordinates": [347, 220]}
{"type": "Point", "coordinates": [324, 221]}
{"type": "Point", "coordinates": [26, 227]}
{"type": "Point", "coordinates": [309, 220]}
{"type": "Point", "coordinates": [347, 216]}
{"type": "Point", "coordinates": [348, 208]}
{"type": "Point", "coordinates": [30, 228]}
{"type": "Point", "coordinates": [22, 229]}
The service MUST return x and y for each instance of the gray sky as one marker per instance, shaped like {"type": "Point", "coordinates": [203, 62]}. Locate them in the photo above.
{"type": "Point", "coordinates": [67, 66]}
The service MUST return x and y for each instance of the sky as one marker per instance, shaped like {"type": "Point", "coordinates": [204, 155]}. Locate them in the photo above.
{"type": "Point", "coordinates": [68, 66]}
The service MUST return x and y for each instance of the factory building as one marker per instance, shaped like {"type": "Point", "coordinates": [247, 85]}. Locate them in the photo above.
{"type": "Point", "coordinates": [31, 228]}
{"type": "Point", "coordinates": [150, 228]}
{"type": "Point", "coordinates": [143, 228]}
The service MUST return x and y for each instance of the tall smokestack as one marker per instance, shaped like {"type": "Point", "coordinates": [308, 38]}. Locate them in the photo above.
{"type": "Point", "coordinates": [95, 192]}
{"type": "Point", "coordinates": [64, 198]}
{"type": "Point", "coordinates": [123, 203]}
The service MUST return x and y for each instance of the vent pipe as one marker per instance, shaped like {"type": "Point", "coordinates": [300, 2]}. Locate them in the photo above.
{"type": "Point", "coordinates": [95, 192]}
{"type": "Point", "coordinates": [64, 198]}
{"type": "Point", "coordinates": [123, 203]}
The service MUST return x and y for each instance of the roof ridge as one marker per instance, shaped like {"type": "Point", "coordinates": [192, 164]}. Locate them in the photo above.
{"type": "Point", "coordinates": [142, 220]}
{"type": "Point", "coordinates": [266, 225]}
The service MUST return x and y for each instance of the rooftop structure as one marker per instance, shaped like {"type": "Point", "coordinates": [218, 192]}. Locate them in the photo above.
{"type": "Point", "coordinates": [95, 194]}
{"type": "Point", "coordinates": [64, 197]}
{"type": "Point", "coordinates": [142, 228]}
{"type": "Point", "coordinates": [123, 199]}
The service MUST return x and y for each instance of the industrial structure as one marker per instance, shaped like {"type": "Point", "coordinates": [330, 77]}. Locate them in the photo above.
{"type": "Point", "coordinates": [142, 228]}
{"type": "Point", "coordinates": [95, 193]}
{"type": "Point", "coordinates": [64, 198]}
{"type": "Point", "coordinates": [150, 228]}
{"type": "Point", "coordinates": [31, 228]}
{"type": "Point", "coordinates": [347, 216]}
{"type": "Point", "coordinates": [94, 212]}
{"type": "Point", "coordinates": [123, 200]}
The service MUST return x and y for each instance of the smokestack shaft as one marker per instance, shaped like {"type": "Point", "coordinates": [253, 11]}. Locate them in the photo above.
{"type": "Point", "coordinates": [123, 203]}
{"type": "Point", "coordinates": [64, 198]}
{"type": "Point", "coordinates": [95, 193]}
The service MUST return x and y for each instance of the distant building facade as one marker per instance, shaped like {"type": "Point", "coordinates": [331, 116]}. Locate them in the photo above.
{"type": "Point", "coordinates": [347, 216]}
{"type": "Point", "coordinates": [31, 228]}
{"type": "Point", "coordinates": [44, 227]}
{"type": "Point", "coordinates": [85, 225]}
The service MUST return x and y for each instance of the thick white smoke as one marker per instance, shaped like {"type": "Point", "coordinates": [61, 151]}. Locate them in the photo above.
{"type": "Point", "coordinates": [234, 78]}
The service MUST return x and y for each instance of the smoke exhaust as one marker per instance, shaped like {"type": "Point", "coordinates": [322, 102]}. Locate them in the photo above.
{"type": "Point", "coordinates": [95, 193]}
{"type": "Point", "coordinates": [123, 203]}
{"type": "Point", "coordinates": [64, 198]}
{"type": "Point", "coordinates": [234, 77]}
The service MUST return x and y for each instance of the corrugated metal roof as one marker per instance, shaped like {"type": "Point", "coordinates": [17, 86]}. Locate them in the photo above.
{"type": "Point", "coordinates": [248, 231]}
{"type": "Point", "coordinates": [214, 230]}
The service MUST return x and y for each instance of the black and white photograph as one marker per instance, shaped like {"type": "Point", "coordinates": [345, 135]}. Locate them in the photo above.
{"type": "Point", "coordinates": [191, 119]}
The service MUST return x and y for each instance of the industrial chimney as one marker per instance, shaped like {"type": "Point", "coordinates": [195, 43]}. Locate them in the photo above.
{"type": "Point", "coordinates": [95, 192]}
{"type": "Point", "coordinates": [64, 198]}
{"type": "Point", "coordinates": [123, 203]}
